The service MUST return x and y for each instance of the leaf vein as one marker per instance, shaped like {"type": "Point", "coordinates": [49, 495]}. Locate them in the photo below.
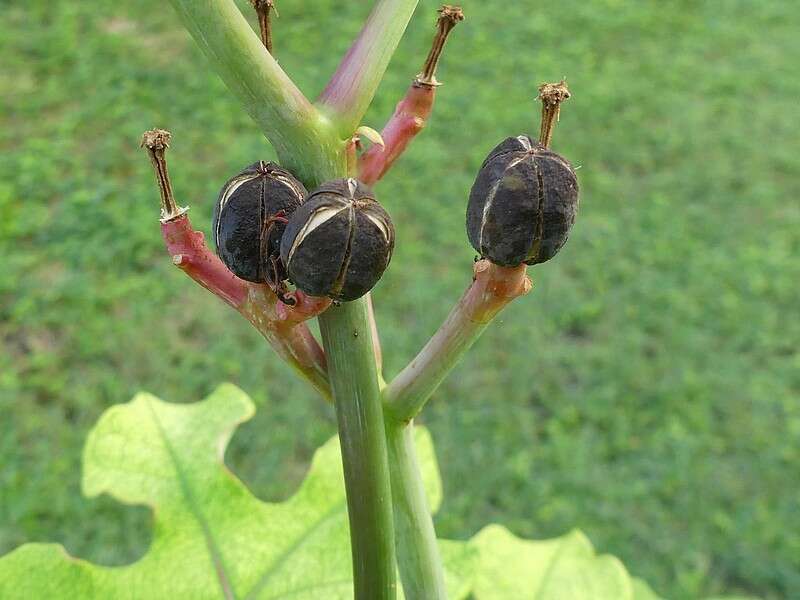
{"type": "Point", "coordinates": [186, 488]}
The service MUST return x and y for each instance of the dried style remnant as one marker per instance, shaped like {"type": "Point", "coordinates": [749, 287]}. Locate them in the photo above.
{"type": "Point", "coordinates": [523, 203]}
{"type": "Point", "coordinates": [339, 242]}
{"type": "Point", "coordinates": [551, 95]}
{"type": "Point", "coordinates": [264, 8]}
{"type": "Point", "coordinates": [250, 217]}
{"type": "Point", "coordinates": [449, 17]}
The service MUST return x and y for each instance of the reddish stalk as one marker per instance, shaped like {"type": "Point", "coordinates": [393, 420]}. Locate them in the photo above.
{"type": "Point", "coordinates": [493, 287]}
{"type": "Point", "coordinates": [190, 254]}
{"type": "Point", "coordinates": [413, 111]}
{"type": "Point", "coordinates": [281, 325]}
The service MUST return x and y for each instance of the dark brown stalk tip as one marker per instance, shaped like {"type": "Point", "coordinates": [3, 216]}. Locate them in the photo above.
{"type": "Point", "coordinates": [263, 9]}
{"type": "Point", "coordinates": [156, 142]}
{"type": "Point", "coordinates": [551, 95]}
{"type": "Point", "coordinates": [449, 17]}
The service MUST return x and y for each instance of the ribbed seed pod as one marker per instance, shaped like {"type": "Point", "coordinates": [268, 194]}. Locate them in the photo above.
{"type": "Point", "coordinates": [250, 217]}
{"type": "Point", "coordinates": [522, 204]}
{"type": "Point", "coordinates": [339, 242]}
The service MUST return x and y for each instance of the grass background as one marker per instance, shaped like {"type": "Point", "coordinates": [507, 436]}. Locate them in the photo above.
{"type": "Point", "coordinates": [646, 392]}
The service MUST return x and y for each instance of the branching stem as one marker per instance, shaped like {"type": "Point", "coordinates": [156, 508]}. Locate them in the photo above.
{"type": "Point", "coordinates": [314, 142]}
{"type": "Point", "coordinates": [282, 325]}
{"type": "Point", "coordinates": [492, 288]}
{"type": "Point", "coordinates": [413, 111]}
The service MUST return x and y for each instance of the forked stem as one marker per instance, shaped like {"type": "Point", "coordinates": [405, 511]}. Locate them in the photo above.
{"type": "Point", "coordinates": [412, 112]}
{"type": "Point", "coordinates": [282, 325]}
{"type": "Point", "coordinates": [551, 95]}
{"type": "Point", "coordinates": [313, 143]}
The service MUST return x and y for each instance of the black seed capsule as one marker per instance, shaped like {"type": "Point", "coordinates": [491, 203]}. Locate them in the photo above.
{"type": "Point", "coordinates": [339, 242]}
{"type": "Point", "coordinates": [522, 204]}
{"type": "Point", "coordinates": [250, 217]}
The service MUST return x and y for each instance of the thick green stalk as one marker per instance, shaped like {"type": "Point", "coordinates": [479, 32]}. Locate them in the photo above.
{"type": "Point", "coordinates": [303, 138]}
{"type": "Point", "coordinates": [417, 551]}
{"type": "Point", "coordinates": [347, 337]}
{"type": "Point", "coordinates": [314, 147]}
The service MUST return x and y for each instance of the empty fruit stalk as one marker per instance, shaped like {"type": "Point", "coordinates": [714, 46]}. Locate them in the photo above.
{"type": "Point", "coordinates": [282, 326]}
{"type": "Point", "coordinates": [264, 9]}
{"type": "Point", "coordinates": [414, 109]}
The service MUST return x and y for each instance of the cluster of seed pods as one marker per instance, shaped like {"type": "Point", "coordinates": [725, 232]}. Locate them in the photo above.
{"type": "Point", "coordinates": [338, 240]}
{"type": "Point", "coordinates": [335, 242]}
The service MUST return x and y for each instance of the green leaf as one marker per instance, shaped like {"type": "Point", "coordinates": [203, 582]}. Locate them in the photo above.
{"type": "Point", "coordinates": [565, 567]}
{"type": "Point", "coordinates": [212, 538]}
{"type": "Point", "coordinates": [642, 591]}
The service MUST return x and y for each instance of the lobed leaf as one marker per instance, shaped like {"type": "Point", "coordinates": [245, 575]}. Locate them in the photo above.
{"type": "Point", "coordinates": [212, 537]}
{"type": "Point", "coordinates": [565, 567]}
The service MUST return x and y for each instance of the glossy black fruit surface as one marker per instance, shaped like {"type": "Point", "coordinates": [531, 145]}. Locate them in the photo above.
{"type": "Point", "coordinates": [522, 204]}
{"type": "Point", "coordinates": [339, 242]}
{"type": "Point", "coordinates": [249, 220]}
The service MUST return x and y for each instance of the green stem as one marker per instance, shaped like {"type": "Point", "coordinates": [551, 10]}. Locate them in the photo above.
{"type": "Point", "coordinates": [492, 288]}
{"type": "Point", "coordinates": [417, 550]}
{"type": "Point", "coordinates": [314, 147]}
{"type": "Point", "coordinates": [347, 337]}
{"type": "Point", "coordinates": [303, 138]}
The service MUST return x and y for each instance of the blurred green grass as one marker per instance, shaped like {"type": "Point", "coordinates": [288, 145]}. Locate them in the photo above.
{"type": "Point", "coordinates": [646, 392]}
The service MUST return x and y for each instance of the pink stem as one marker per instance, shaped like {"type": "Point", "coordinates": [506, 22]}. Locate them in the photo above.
{"type": "Point", "coordinates": [351, 89]}
{"type": "Point", "coordinates": [190, 253]}
{"type": "Point", "coordinates": [285, 329]}
{"type": "Point", "coordinates": [414, 109]}
{"type": "Point", "coordinates": [409, 119]}
{"type": "Point", "coordinates": [281, 325]}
